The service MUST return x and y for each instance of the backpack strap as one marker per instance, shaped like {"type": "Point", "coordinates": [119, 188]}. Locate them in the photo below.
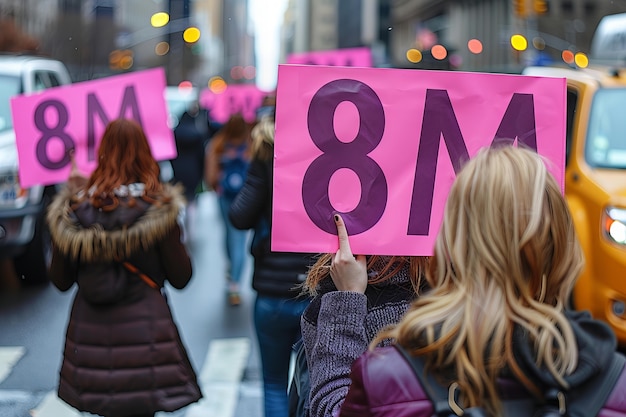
{"type": "Point", "coordinates": [588, 399]}
{"type": "Point", "coordinates": [583, 401]}
{"type": "Point", "coordinates": [437, 393]}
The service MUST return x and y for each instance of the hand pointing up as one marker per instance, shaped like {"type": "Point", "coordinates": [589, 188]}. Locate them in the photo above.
{"type": "Point", "coordinates": [349, 273]}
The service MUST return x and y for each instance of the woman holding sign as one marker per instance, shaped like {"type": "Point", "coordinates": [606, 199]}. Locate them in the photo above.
{"type": "Point", "coordinates": [346, 313]}
{"type": "Point", "coordinates": [116, 235]}
{"type": "Point", "coordinates": [495, 324]}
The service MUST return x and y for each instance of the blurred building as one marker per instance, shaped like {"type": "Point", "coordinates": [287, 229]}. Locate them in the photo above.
{"type": "Point", "coordinates": [472, 35]}
{"type": "Point", "coordinates": [96, 38]}
{"type": "Point", "coordinates": [549, 26]}
{"type": "Point", "coordinates": [317, 25]}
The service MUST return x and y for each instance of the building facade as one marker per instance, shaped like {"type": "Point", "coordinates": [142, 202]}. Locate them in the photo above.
{"type": "Point", "coordinates": [87, 35]}
{"type": "Point", "coordinates": [398, 26]}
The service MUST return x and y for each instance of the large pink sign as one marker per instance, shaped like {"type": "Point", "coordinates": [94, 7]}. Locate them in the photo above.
{"type": "Point", "coordinates": [346, 57]}
{"type": "Point", "coordinates": [237, 98]}
{"type": "Point", "coordinates": [382, 147]}
{"type": "Point", "coordinates": [49, 124]}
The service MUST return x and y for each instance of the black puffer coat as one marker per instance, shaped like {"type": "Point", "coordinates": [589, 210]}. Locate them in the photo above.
{"type": "Point", "coordinates": [123, 354]}
{"type": "Point", "coordinates": [277, 274]}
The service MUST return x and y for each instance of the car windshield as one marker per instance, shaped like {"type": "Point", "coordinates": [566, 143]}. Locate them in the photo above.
{"type": "Point", "coordinates": [606, 140]}
{"type": "Point", "coordinates": [9, 86]}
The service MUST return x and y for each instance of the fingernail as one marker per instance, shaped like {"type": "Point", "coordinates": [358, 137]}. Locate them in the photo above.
{"type": "Point", "coordinates": [336, 218]}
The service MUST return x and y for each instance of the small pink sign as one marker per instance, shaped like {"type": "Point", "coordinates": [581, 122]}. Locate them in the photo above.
{"type": "Point", "coordinates": [237, 98]}
{"type": "Point", "coordinates": [383, 146]}
{"type": "Point", "coordinates": [346, 57]}
{"type": "Point", "coordinates": [49, 124]}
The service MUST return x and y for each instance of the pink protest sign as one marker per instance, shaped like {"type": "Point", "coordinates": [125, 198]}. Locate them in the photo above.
{"type": "Point", "coordinates": [346, 57]}
{"type": "Point", "coordinates": [49, 124]}
{"type": "Point", "coordinates": [382, 147]}
{"type": "Point", "coordinates": [237, 98]}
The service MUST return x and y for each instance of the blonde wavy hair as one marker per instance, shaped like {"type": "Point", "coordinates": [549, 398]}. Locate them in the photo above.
{"type": "Point", "coordinates": [263, 140]}
{"type": "Point", "coordinates": [506, 255]}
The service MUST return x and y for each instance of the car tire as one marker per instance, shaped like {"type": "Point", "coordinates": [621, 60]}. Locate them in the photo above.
{"type": "Point", "coordinates": [31, 267]}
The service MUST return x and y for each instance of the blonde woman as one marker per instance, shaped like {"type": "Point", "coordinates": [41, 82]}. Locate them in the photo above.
{"type": "Point", "coordinates": [504, 262]}
{"type": "Point", "coordinates": [276, 277]}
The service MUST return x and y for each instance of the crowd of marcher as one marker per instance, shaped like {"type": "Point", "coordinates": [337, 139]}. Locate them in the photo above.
{"type": "Point", "coordinates": [486, 315]}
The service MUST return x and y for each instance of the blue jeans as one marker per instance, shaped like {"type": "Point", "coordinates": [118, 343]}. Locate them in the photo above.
{"type": "Point", "coordinates": [277, 325]}
{"type": "Point", "coordinates": [236, 242]}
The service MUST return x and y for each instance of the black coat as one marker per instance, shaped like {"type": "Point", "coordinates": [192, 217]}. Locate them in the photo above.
{"type": "Point", "coordinates": [191, 135]}
{"type": "Point", "coordinates": [277, 274]}
{"type": "Point", "coordinates": [123, 354]}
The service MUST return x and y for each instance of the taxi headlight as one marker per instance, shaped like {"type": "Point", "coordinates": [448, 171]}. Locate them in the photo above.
{"type": "Point", "coordinates": [614, 221]}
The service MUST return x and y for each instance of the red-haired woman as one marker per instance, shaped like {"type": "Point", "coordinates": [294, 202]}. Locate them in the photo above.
{"type": "Point", "coordinates": [117, 237]}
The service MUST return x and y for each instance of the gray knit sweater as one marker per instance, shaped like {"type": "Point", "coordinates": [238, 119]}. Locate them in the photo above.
{"type": "Point", "coordinates": [337, 328]}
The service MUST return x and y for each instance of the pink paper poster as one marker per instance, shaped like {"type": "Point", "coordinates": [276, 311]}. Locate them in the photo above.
{"type": "Point", "coordinates": [346, 57]}
{"type": "Point", "coordinates": [49, 124]}
{"type": "Point", "coordinates": [237, 98]}
{"type": "Point", "coordinates": [382, 146]}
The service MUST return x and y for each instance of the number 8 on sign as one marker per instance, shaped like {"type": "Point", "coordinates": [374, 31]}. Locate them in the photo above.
{"type": "Point", "coordinates": [352, 155]}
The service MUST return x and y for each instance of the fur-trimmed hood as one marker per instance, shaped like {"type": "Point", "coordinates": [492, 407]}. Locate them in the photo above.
{"type": "Point", "coordinates": [88, 234]}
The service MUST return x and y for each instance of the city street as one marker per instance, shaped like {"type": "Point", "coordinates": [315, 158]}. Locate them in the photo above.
{"type": "Point", "coordinates": [219, 337]}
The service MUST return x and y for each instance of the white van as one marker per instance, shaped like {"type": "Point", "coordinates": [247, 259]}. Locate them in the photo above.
{"type": "Point", "coordinates": [23, 236]}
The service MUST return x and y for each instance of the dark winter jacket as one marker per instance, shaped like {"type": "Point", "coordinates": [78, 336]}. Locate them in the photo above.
{"type": "Point", "coordinates": [275, 273]}
{"type": "Point", "coordinates": [384, 384]}
{"type": "Point", "coordinates": [191, 135]}
{"type": "Point", "coordinates": [123, 354]}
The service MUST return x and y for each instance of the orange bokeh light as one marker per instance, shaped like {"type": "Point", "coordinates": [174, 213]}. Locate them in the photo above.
{"type": "Point", "coordinates": [568, 56]}
{"type": "Point", "coordinates": [475, 46]}
{"type": "Point", "coordinates": [439, 52]}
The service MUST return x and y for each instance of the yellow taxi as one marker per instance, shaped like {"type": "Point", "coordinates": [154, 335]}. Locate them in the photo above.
{"type": "Point", "coordinates": [595, 185]}
{"type": "Point", "coordinates": [595, 172]}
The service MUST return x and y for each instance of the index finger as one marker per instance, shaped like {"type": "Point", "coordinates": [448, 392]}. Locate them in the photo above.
{"type": "Point", "coordinates": [71, 154]}
{"type": "Point", "coordinates": [342, 234]}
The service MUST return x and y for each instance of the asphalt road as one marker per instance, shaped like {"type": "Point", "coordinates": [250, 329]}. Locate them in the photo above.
{"type": "Point", "coordinates": [219, 337]}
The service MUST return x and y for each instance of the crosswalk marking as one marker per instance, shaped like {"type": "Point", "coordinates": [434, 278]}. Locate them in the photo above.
{"type": "Point", "coordinates": [9, 356]}
{"type": "Point", "coordinates": [52, 406]}
{"type": "Point", "coordinates": [219, 379]}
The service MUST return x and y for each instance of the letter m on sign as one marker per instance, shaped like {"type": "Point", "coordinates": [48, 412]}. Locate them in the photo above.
{"type": "Point", "coordinates": [94, 108]}
{"type": "Point", "coordinates": [518, 123]}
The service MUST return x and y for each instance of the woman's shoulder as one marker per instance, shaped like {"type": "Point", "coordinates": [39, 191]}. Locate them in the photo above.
{"type": "Point", "coordinates": [389, 379]}
{"type": "Point", "coordinates": [130, 223]}
{"type": "Point", "coordinates": [615, 402]}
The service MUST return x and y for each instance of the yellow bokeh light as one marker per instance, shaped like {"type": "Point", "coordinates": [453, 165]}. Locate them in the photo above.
{"type": "Point", "coordinates": [581, 60]}
{"type": "Point", "coordinates": [439, 52]}
{"type": "Point", "coordinates": [519, 42]}
{"type": "Point", "coordinates": [162, 48]}
{"type": "Point", "coordinates": [159, 19]}
{"type": "Point", "coordinates": [191, 34]}
{"type": "Point", "coordinates": [217, 85]}
{"type": "Point", "coordinates": [414, 55]}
